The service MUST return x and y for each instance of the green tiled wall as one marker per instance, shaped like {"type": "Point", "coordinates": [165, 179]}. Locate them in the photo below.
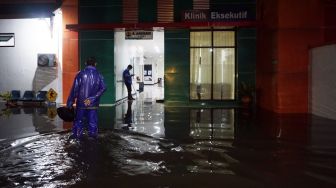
{"type": "Point", "coordinates": [147, 11]}
{"type": "Point", "coordinates": [177, 58]}
{"type": "Point", "coordinates": [101, 45]}
{"type": "Point", "coordinates": [100, 11]}
{"type": "Point", "coordinates": [246, 54]}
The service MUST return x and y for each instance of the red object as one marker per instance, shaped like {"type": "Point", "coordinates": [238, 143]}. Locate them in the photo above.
{"type": "Point", "coordinates": [112, 26]}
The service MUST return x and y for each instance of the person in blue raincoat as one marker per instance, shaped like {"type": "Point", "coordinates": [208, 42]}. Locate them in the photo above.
{"type": "Point", "coordinates": [86, 90]}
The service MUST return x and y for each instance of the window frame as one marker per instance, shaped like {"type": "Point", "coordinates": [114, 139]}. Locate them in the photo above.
{"type": "Point", "coordinates": [212, 30]}
{"type": "Point", "coordinates": [12, 35]}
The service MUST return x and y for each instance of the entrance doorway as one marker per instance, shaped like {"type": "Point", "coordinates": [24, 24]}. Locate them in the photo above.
{"type": "Point", "coordinates": [144, 50]}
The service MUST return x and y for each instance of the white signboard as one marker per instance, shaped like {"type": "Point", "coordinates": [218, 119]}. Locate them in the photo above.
{"type": "Point", "coordinates": [138, 35]}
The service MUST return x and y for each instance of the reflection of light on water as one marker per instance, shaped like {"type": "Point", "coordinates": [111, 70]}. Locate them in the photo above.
{"type": "Point", "coordinates": [48, 160]}
{"type": "Point", "coordinates": [39, 158]}
{"type": "Point", "coordinates": [212, 124]}
{"type": "Point", "coordinates": [201, 144]}
{"type": "Point", "coordinates": [22, 141]}
{"type": "Point", "coordinates": [158, 130]}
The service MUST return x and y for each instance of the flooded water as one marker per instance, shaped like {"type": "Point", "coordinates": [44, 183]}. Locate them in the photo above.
{"type": "Point", "coordinates": [146, 144]}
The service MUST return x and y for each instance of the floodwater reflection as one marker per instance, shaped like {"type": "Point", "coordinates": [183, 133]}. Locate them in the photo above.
{"type": "Point", "coordinates": [168, 147]}
{"type": "Point", "coordinates": [26, 121]}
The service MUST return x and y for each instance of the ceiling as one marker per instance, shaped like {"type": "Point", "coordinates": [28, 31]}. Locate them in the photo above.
{"type": "Point", "coordinates": [13, 9]}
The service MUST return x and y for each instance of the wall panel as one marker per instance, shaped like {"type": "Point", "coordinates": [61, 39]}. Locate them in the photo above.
{"type": "Point", "coordinates": [100, 44]}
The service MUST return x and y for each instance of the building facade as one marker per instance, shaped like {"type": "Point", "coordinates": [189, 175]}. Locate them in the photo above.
{"type": "Point", "coordinates": [209, 45]}
{"type": "Point", "coordinates": [282, 49]}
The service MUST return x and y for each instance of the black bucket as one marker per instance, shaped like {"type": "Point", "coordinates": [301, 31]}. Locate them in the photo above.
{"type": "Point", "coordinates": [67, 114]}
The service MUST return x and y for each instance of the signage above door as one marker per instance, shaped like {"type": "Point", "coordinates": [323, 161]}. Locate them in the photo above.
{"type": "Point", "coordinates": [138, 35]}
{"type": "Point", "coordinates": [228, 14]}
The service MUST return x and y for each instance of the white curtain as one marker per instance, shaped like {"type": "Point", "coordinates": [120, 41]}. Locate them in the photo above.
{"type": "Point", "coordinates": [212, 66]}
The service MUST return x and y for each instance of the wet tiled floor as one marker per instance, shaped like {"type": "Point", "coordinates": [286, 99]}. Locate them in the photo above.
{"type": "Point", "coordinates": [144, 143]}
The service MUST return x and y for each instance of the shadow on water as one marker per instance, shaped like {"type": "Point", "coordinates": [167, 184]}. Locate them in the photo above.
{"type": "Point", "coordinates": [147, 144]}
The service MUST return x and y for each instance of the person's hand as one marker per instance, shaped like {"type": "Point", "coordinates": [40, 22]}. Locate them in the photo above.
{"type": "Point", "coordinates": [69, 105]}
{"type": "Point", "coordinates": [87, 102]}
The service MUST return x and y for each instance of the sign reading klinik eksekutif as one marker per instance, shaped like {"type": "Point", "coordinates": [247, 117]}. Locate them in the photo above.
{"type": "Point", "coordinates": [227, 15]}
{"type": "Point", "coordinates": [139, 34]}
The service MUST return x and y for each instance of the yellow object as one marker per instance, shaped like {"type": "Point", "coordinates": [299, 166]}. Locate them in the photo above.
{"type": "Point", "coordinates": [51, 95]}
{"type": "Point", "coordinates": [52, 112]}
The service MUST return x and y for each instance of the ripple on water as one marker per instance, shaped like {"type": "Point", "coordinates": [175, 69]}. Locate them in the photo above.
{"type": "Point", "coordinates": [49, 159]}
{"type": "Point", "coordinates": [53, 159]}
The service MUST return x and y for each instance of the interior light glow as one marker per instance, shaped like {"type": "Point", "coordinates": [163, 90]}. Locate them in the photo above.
{"type": "Point", "coordinates": [157, 49]}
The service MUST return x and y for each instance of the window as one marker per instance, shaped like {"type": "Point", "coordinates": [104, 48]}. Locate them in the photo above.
{"type": "Point", "coordinates": [7, 40]}
{"type": "Point", "coordinates": [212, 65]}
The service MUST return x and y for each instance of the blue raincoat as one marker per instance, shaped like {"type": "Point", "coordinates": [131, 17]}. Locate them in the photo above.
{"type": "Point", "coordinates": [88, 84]}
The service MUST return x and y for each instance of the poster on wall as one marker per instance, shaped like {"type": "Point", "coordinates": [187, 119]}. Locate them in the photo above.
{"type": "Point", "coordinates": [46, 60]}
{"type": "Point", "coordinates": [147, 72]}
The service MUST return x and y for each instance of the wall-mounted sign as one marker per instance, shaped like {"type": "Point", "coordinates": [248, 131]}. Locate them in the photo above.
{"type": "Point", "coordinates": [51, 95]}
{"type": "Point", "coordinates": [138, 35]}
{"type": "Point", "coordinates": [229, 14]}
{"type": "Point", "coordinates": [195, 15]}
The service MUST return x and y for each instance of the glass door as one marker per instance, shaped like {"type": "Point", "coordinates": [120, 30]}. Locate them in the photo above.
{"type": "Point", "coordinates": [212, 65]}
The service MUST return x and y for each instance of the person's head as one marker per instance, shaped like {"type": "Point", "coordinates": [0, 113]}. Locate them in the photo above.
{"type": "Point", "coordinates": [91, 61]}
{"type": "Point", "coordinates": [129, 67]}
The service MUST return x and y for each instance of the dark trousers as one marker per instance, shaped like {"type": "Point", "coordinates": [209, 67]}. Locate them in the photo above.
{"type": "Point", "coordinates": [129, 91]}
{"type": "Point", "coordinates": [91, 117]}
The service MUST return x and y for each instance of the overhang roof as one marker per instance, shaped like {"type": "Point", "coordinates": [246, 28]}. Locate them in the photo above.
{"type": "Point", "coordinates": [112, 26]}
{"type": "Point", "coordinates": [14, 9]}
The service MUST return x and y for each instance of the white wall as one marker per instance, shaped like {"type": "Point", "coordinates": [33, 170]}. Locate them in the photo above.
{"type": "Point", "coordinates": [19, 64]}
{"type": "Point", "coordinates": [322, 83]}
{"type": "Point", "coordinates": [126, 50]}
